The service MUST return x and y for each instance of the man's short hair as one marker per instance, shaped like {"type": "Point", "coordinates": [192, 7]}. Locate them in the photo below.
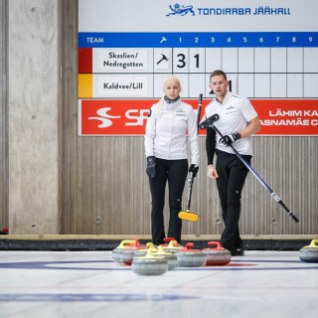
{"type": "Point", "coordinates": [217, 73]}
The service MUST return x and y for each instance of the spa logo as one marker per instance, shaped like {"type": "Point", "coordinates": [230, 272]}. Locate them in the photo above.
{"type": "Point", "coordinates": [104, 117]}
{"type": "Point", "coordinates": [132, 117]}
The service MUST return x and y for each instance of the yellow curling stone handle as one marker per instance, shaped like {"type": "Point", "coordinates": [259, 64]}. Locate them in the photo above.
{"type": "Point", "coordinates": [313, 243]}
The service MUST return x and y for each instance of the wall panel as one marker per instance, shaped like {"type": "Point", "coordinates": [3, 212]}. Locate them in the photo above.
{"type": "Point", "coordinates": [105, 189]}
{"type": "Point", "coordinates": [4, 216]}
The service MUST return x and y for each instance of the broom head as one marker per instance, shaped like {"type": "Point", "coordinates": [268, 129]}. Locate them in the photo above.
{"type": "Point", "coordinates": [188, 215]}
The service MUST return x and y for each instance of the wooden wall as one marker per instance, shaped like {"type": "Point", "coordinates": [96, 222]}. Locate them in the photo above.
{"type": "Point", "coordinates": [104, 188]}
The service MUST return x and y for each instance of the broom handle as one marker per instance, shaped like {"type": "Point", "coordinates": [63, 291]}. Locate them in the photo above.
{"type": "Point", "coordinates": [190, 177]}
{"type": "Point", "coordinates": [260, 179]}
{"type": "Point", "coordinates": [190, 182]}
{"type": "Point", "coordinates": [199, 110]}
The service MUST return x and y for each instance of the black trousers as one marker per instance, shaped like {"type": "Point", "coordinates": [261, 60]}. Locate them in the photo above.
{"type": "Point", "coordinates": [232, 174]}
{"type": "Point", "coordinates": [175, 172]}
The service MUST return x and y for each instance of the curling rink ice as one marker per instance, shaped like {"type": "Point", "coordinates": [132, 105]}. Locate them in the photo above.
{"type": "Point", "coordinates": [89, 284]}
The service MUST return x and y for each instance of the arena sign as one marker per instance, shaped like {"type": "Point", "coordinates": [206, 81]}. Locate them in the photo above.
{"type": "Point", "coordinates": [126, 49]}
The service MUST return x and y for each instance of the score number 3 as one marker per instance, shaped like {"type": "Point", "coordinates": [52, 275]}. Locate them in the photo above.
{"type": "Point", "coordinates": [182, 60]}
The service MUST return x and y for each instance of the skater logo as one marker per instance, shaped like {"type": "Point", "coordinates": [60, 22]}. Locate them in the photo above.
{"type": "Point", "coordinates": [182, 10]}
{"type": "Point", "coordinates": [104, 117]}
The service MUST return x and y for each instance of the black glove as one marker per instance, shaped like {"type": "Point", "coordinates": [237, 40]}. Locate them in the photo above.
{"type": "Point", "coordinates": [194, 169]}
{"type": "Point", "coordinates": [151, 166]}
{"type": "Point", "coordinates": [229, 139]}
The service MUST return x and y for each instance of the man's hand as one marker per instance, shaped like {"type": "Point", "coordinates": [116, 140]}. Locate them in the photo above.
{"type": "Point", "coordinates": [227, 140]}
{"type": "Point", "coordinates": [212, 173]}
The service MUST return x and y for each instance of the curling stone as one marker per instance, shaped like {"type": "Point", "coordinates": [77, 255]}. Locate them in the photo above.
{"type": "Point", "coordinates": [167, 240]}
{"type": "Point", "coordinates": [309, 253]}
{"type": "Point", "coordinates": [216, 254]}
{"type": "Point", "coordinates": [170, 257]}
{"type": "Point", "coordinates": [125, 251]}
{"type": "Point", "coordinates": [149, 264]}
{"type": "Point", "coordinates": [189, 257]}
{"type": "Point", "coordinates": [143, 251]}
{"type": "Point", "coordinates": [173, 247]}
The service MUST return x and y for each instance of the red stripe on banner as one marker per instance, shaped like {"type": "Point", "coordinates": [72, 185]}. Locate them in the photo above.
{"type": "Point", "coordinates": [128, 117]}
{"type": "Point", "coordinates": [85, 60]}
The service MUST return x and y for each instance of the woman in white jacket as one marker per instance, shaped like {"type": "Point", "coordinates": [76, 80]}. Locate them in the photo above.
{"type": "Point", "coordinates": [171, 125]}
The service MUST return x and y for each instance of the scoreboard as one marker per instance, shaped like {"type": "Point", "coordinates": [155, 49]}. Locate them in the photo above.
{"type": "Point", "coordinates": [126, 50]}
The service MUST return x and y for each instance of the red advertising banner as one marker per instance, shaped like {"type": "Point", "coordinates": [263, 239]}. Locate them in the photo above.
{"type": "Point", "coordinates": [287, 117]}
{"type": "Point", "coordinates": [128, 117]}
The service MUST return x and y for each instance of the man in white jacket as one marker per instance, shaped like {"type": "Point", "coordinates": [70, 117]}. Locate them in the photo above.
{"type": "Point", "coordinates": [171, 125]}
{"type": "Point", "coordinates": [237, 122]}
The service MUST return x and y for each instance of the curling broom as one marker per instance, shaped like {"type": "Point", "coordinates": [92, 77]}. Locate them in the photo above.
{"type": "Point", "coordinates": [188, 215]}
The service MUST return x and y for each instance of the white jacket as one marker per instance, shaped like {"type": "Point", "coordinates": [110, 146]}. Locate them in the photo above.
{"type": "Point", "coordinates": [169, 127]}
{"type": "Point", "coordinates": [235, 112]}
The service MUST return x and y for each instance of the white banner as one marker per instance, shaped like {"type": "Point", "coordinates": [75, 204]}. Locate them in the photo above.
{"type": "Point", "coordinates": [197, 15]}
